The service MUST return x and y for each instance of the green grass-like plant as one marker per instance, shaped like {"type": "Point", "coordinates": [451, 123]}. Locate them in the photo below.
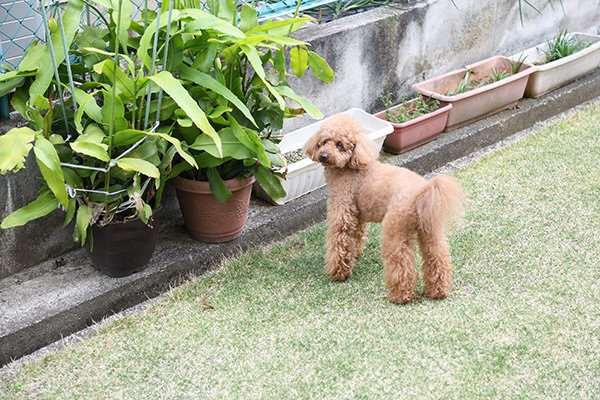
{"type": "Point", "coordinates": [408, 110]}
{"type": "Point", "coordinates": [563, 45]}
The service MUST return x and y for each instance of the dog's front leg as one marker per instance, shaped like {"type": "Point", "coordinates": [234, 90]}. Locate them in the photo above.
{"type": "Point", "coordinates": [345, 241]}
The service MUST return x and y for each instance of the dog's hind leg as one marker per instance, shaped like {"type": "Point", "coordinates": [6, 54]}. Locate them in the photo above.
{"type": "Point", "coordinates": [398, 249]}
{"type": "Point", "coordinates": [437, 270]}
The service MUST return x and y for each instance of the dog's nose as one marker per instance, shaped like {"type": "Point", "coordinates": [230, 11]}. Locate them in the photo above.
{"type": "Point", "coordinates": [324, 157]}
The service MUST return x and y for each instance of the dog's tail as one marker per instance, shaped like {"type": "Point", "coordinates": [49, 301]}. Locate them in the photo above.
{"type": "Point", "coordinates": [439, 203]}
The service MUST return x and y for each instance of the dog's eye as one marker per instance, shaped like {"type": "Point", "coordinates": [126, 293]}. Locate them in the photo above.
{"type": "Point", "coordinates": [339, 145]}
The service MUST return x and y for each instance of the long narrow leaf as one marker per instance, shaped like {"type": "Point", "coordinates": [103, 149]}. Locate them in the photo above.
{"type": "Point", "coordinates": [175, 89]}
{"type": "Point", "coordinates": [138, 165]}
{"type": "Point", "coordinates": [49, 164]}
{"type": "Point", "coordinates": [256, 63]}
{"type": "Point", "coordinates": [217, 186]}
{"type": "Point", "coordinates": [82, 222]}
{"type": "Point", "coordinates": [209, 82]}
{"type": "Point", "coordinates": [45, 73]}
{"type": "Point", "coordinates": [270, 182]}
{"type": "Point", "coordinates": [310, 108]}
{"type": "Point", "coordinates": [40, 207]}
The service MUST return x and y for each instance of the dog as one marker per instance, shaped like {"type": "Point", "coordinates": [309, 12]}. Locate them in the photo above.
{"type": "Point", "coordinates": [410, 209]}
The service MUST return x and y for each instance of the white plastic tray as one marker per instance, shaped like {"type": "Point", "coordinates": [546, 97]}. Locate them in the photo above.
{"type": "Point", "coordinates": [305, 175]}
{"type": "Point", "coordinates": [555, 74]}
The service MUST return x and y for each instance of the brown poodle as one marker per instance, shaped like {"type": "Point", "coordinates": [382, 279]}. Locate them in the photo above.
{"type": "Point", "coordinates": [363, 190]}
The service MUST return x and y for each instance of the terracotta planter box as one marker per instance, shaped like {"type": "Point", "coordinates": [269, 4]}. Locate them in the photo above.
{"type": "Point", "coordinates": [305, 175]}
{"type": "Point", "coordinates": [481, 102]}
{"type": "Point", "coordinates": [551, 76]}
{"type": "Point", "coordinates": [418, 131]}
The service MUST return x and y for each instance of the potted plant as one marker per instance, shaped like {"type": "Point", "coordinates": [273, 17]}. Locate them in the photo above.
{"type": "Point", "coordinates": [479, 89]}
{"type": "Point", "coordinates": [304, 175]}
{"type": "Point", "coordinates": [415, 122]}
{"type": "Point", "coordinates": [97, 161]}
{"type": "Point", "coordinates": [565, 58]}
{"type": "Point", "coordinates": [235, 71]}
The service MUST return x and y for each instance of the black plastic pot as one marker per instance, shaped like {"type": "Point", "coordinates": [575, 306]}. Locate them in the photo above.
{"type": "Point", "coordinates": [122, 248]}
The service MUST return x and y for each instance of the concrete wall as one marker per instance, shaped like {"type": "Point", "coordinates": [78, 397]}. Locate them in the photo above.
{"type": "Point", "coordinates": [372, 53]}
{"type": "Point", "coordinates": [387, 50]}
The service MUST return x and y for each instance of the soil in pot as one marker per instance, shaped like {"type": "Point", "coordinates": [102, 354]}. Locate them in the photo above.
{"type": "Point", "coordinates": [122, 248]}
{"type": "Point", "coordinates": [208, 220]}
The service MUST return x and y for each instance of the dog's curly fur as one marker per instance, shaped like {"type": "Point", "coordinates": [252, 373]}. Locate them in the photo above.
{"type": "Point", "coordinates": [410, 208]}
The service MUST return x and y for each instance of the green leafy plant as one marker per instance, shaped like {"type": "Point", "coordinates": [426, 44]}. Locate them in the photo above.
{"type": "Point", "coordinates": [407, 110]}
{"type": "Point", "coordinates": [563, 45]}
{"type": "Point", "coordinates": [515, 66]}
{"type": "Point", "coordinates": [498, 75]}
{"type": "Point", "coordinates": [235, 69]}
{"type": "Point", "coordinates": [464, 85]}
{"type": "Point", "coordinates": [136, 103]}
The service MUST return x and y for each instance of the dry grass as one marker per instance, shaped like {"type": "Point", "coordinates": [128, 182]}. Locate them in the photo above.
{"type": "Point", "coordinates": [523, 320]}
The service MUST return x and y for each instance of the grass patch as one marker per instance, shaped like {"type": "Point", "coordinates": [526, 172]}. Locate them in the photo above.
{"type": "Point", "coordinates": [522, 321]}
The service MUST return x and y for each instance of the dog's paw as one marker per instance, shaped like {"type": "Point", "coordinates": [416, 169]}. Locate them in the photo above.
{"type": "Point", "coordinates": [401, 298]}
{"type": "Point", "coordinates": [436, 293]}
{"type": "Point", "coordinates": [340, 275]}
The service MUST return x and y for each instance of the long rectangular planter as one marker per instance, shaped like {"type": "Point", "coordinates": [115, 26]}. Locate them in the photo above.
{"type": "Point", "coordinates": [481, 102]}
{"type": "Point", "coordinates": [305, 175]}
{"type": "Point", "coordinates": [551, 76]}
{"type": "Point", "coordinates": [418, 131]}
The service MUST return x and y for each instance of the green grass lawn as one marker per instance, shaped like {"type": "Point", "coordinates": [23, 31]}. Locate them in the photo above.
{"type": "Point", "coordinates": [523, 320]}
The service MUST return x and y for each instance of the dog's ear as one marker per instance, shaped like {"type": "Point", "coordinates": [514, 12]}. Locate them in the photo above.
{"type": "Point", "coordinates": [311, 147]}
{"type": "Point", "coordinates": [364, 153]}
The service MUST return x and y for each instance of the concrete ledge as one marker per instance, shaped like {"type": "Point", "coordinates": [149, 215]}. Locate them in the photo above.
{"type": "Point", "coordinates": [61, 296]}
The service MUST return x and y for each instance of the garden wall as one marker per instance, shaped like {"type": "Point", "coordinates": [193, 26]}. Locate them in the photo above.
{"type": "Point", "coordinates": [380, 51]}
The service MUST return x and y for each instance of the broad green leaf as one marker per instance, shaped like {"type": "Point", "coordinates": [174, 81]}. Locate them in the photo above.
{"type": "Point", "coordinates": [217, 186]}
{"type": "Point", "coordinates": [10, 85]}
{"type": "Point", "coordinates": [299, 61]}
{"type": "Point", "coordinates": [122, 18]}
{"type": "Point", "coordinates": [112, 110]}
{"type": "Point", "coordinates": [231, 146]}
{"type": "Point", "coordinates": [137, 165]}
{"type": "Point", "coordinates": [174, 88]}
{"type": "Point", "coordinates": [123, 83]}
{"type": "Point", "coordinates": [320, 68]}
{"type": "Point", "coordinates": [270, 182]}
{"type": "Point", "coordinates": [248, 18]}
{"type": "Point", "coordinates": [32, 56]}
{"type": "Point", "coordinates": [49, 164]}
{"type": "Point", "coordinates": [70, 211]}
{"type": "Point", "coordinates": [310, 108]}
{"type": "Point", "coordinates": [203, 21]}
{"type": "Point", "coordinates": [15, 145]}
{"type": "Point", "coordinates": [10, 75]}
{"type": "Point", "coordinates": [265, 40]}
{"type": "Point", "coordinates": [251, 140]}
{"type": "Point", "coordinates": [95, 150]}
{"type": "Point", "coordinates": [226, 10]}
{"type": "Point", "coordinates": [127, 137]}
{"type": "Point", "coordinates": [87, 104]}
{"type": "Point", "coordinates": [281, 27]}
{"type": "Point", "coordinates": [82, 222]}
{"type": "Point", "coordinates": [146, 39]}
{"type": "Point", "coordinates": [45, 73]}
{"type": "Point", "coordinates": [209, 82]}
{"type": "Point", "coordinates": [255, 61]}
{"type": "Point", "coordinates": [130, 63]}
{"type": "Point", "coordinates": [40, 207]}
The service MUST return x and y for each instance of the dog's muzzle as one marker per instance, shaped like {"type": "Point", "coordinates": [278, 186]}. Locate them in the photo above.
{"type": "Point", "coordinates": [324, 157]}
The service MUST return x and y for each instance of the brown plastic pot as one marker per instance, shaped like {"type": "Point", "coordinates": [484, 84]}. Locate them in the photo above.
{"type": "Point", "coordinates": [205, 218]}
{"type": "Point", "coordinates": [478, 103]}
{"type": "Point", "coordinates": [122, 248]}
{"type": "Point", "coordinates": [418, 131]}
